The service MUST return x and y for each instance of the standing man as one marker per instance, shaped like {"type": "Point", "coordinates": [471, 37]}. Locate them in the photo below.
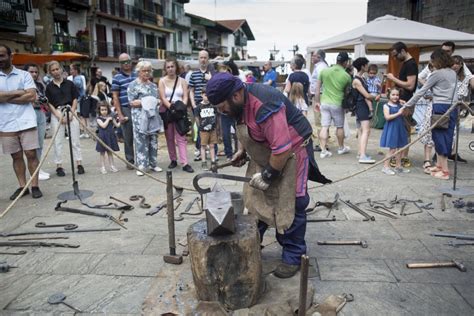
{"type": "Point", "coordinates": [98, 77]}
{"type": "Point", "coordinates": [119, 88]}
{"type": "Point", "coordinates": [336, 81]}
{"type": "Point", "coordinates": [62, 93]}
{"type": "Point", "coordinates": [18, 121]}
{"type": "Point", "coordinates": [199, 79]}
{"type": "Point", "coordinates": [270, 77]}
{"type": "Point", "coordinates": [278, 139]}
{"type": "Point", "coordinates": [319, 60]}
{"type": "Point", "coordinates": [406, 81]}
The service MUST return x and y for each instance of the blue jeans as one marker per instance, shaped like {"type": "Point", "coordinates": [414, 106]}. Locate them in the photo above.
{"type": "Point", "coordinates": [41, 122]}
{"type": "Point", "coordinates": [226, 123]}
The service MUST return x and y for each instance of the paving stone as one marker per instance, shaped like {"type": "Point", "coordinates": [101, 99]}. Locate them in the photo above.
{"type": "Point", "coordinates": [467, 292]}
{"type": "Point", "coordinates": [423, 229]}
{"type": "Point", "coordinates": [441, 250]}
{"type": "Point", "coordinates": [13, 284]}
{"type": "Point", "coordinates": [129, 265]}
{"type": "Point", "coordinates": [433, 275]}
{"type": "Point", "coordinates": [354, 270]}
{"type": "Point", "coordinates": [379, 230]}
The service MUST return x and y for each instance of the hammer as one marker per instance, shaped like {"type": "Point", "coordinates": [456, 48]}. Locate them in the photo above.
{"type": "Point", "coordinates": [172, 258]}
{"type": "Point", "coordinates": [443, 203]}
{"type": "Point", "coordinates": [362, 243]}
{"type": "Point", "coordinates": [452, 263]}
{"type": "Point", "coordinates": [215, 167]}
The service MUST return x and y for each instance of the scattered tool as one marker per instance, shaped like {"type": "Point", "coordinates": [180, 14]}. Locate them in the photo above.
{"type": "Point", "coordinates": [361, 243]}
{"type": "Point", "coordinates": [402, 211]}
{"type": "Point", "coordinates": [172, 258]}
{"type": "Point", "coordinates": [36, 238]}
{"type": "Point", "coordinates": [58, 232]}
{"type": "Point", "coordinates": [454, 235]}
{"type": "Point", "coordinates": [367, 217]}
{"type": "Point", "coordinates": [303, 285]}
{"type": "Point", "coordinates": [443, 201]}
{"type": "Point", "coordinates": [179, 192]}
{"type": "Point", "coordinates": [89, 213]}
{"type": "Point", "coordinates": [35, 244]}
{"type": "Point", "coordinates": [66, 226]}
{"type": "Point", "coordinates": [19, 253]}
{"type": "Point", "coordinates": [215, 176]}
{"type": "Point", "coordinates": [333, 204]}
{"type": "Point", "coordinates": [215, 167]}
{"type": "Point", "coordinates": [457, 244]}
{"type": "Point", "coordinates": [142, 201]}
{"type": "Point", "coordinates": [187, 209]}
{"type": "Point", "coordinates": [453, 263]}
{"type": "Point", "coordinates": [59, 298]}
{"type": "Point", "coordinates": [420, 210]}
{"type": "Point", "coordinates": [124, 207]}
{"type": "Point", "coordinates": [318, 220]}
{"type": "Point", "coordinates": [459, 203]}
{"type": "Point", "coordinates": [373, 210]}
{"type": "Point", "coordinates": [5, 267]}
{"type": "Point", "coordinates": [385, 209]}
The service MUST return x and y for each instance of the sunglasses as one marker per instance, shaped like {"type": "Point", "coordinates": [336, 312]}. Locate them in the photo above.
{"type": "Point", "coordinates": [125, 62]}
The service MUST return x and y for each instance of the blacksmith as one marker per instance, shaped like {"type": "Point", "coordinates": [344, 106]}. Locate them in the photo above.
{"type": "Point", "coordinates": [277, 137]}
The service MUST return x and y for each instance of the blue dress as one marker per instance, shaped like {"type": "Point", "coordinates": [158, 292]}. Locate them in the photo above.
{"type": "Point", "coordinates": [107, 135]}
{"type": "Point", "coordinates": [394, 133]}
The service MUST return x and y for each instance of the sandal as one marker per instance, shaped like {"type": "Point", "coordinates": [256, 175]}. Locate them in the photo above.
{"type": "Point", "coordinates": [442, 175]}
{"type": "Point", "coordinates": [426, 165]}
{"type": "Point", "coordinates": [434, 169]}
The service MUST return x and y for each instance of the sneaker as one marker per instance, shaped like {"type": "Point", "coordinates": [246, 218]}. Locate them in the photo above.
{"type": "Point", "coordinates": [17, 192]}
{"type": "Point", "coordinates": [284, 270]}
{"type": "Point", "coordinates": [344, 150]}
{"type": "Point", "coordinates": [442, 175]}
{"type": "Point", "coordinates": [204, 166]}
{"type": "Point", "coordinates": [366, 159]}
{"type": "Point", "coordinates": [130, 167]}
{"type": "Point", "coordinates": [406, 163]}
{"type": "Point", "coordinates": [402, 170]}
{"type": "Point", "coordinates": [452, 157]}
{"type": "Point", "coordinates": [197, 158]}
{"type": "Point", "coordinates": [102, 170]}
{"type": "Point", "coordinates": [60, 172]}
{"type": "Point", "coordinates": [82, 136]}
{"type": "Point", "coordinates": [157, 169]}
{"type": "Point", "coordinates": [317, 148]}
{"type": "Point", "coordinates": [197, 152]}
{"type": "Point", "coordinates": [43, 175]}
{"type": "Point", "coordinates": [36, 192]}
{"type": "Point", "coordinates": [388, 171]}
{"type": "Point", "coordinates": [325, 154]}
{"type": "Point", "coordinates": [188, 168]}
{"type": "Point", "coordinates": [80, 169]}
{"type": "Point", "coordinates": [140, 174]}
{"type": "Point", "coordinates": [113, 168]}
{"type": "Point", "coordinates": [173, 164]}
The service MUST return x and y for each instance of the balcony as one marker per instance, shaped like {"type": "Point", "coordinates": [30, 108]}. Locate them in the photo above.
{"type": "Point", "coordinates": [130, 12]}
{"type": "Point", "coordinates": [217, 50]}
{"type": "Point", "coordinates": [241, 41]}
{"type": "Point", "coordinates": [113, 50]}
{"type": "Point", "coordinates": [198, 44]}
{"type": "Point", "coordinates": [12, 17]}
{"type": "Point", "coordinates": [70, 44]}
{"type": "Point", "coordinates": [181, 21]}
{"type": "Point", "coordinates": [72, 5]}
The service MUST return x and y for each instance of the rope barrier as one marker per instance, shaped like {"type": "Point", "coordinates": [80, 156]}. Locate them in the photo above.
{"type": "Point", "coordinates": [27, 185]}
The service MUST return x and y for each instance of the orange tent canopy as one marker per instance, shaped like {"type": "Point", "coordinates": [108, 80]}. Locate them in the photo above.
{"type": "Point", "coordinates": [22, 59]}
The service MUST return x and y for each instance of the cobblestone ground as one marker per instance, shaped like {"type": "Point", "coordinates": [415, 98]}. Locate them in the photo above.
{"type": "Point", "coordinates": [122, 272]}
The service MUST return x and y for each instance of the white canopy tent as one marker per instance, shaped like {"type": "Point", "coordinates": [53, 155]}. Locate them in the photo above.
{"type": "Point", "coordinates": [378, 35]}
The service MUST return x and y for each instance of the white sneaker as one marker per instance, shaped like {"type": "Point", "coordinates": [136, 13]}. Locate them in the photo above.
{"type": "Point", "coordinates": [140, 174]}
{"type": "Point", "coordinates": [325, 154]}
{"type": "Point", "coordinates": [388, 171]}
{"type": "Point", "coordinates": [402, 170]}
{"type": "Point", "coordinates": [197, 152]}
{"type": "Point", "coordinates": [157, 169]}
{"type": "Point", "coordinates": [43, 175]}
{"type": "Point", "coordinates": [342, 151]}
{"type": "Point", "coordinates": [102, 170]}
{"type": "Point", "coordinates": [82, 136]}
{"type": "Point", "coordinates": [113, 169]}
{"type": "Point", "coordinates": [366, 159]}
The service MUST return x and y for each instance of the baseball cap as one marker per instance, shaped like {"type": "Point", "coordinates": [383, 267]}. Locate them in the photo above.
{"type": "Point", "coordinates": [342, 57]}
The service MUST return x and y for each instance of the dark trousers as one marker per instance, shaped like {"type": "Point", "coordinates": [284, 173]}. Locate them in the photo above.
{"type": "Point", "coordinates": [127, 130]}
{"type": "Point", "coordinates": [226, 123]}
{"type": "Point", "coordinates": [292, 240]}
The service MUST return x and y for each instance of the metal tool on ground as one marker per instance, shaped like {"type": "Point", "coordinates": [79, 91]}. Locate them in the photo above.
{"type": "Point", "coordinates": [373, 210]}
{"type": "Point", "coordinates": [142, 201]}
{"type": "Point", "coordinates": [319, 220]}
{"type": "Point", "coordinates": [378, 207]}
{"type": "Point", "coordinates": [334, 204]}
{"type": "Point", "coordinates": [42, 232]}
{"type": "Point", "coordinates": [66, 226]}
{"type": "Point", "coordinates": [162, 205]}
{"type": "Point", "coordinates": [35, 244]}
{"type": "Point", "coordinates": [37, 238]}
{"type": "Point", "coordinates": [443, 201]}
{"type": "Point", "coordinates": [187, 210]}
{"type": "Point", "coordinates": [5, 267]}
{"type": "Point", "coordinates": [124, 207]}
{"type": "Point", "coordinates": [457, 244]}
{"type": "Point", "coordinates": [459, 203]}
{"type": "Point", "coordinates": [304, 269]}
{"type": "Point", "coordinates": [61, 208]}
{"type": "Point", "coordinates": [18, 253]}
{"type": "Point", "coordinates": [361, 243]}
{"type": "Point", "coordinates": [59, 298]}
{"type": "Point", "coordinates": [172, 258]}
{"type": "Point", "coordinates": [402, 210]}
{"type": "Point", "coordinates": [215, 176]}
{"type": "Point", "coordinates": [420, 210]}
{"type": "Point", "coordinates": [367, 217]}
{"type": "Point", "coordinates": [454, 235]}
{"type": "Point", "coordinates": [450, 264]}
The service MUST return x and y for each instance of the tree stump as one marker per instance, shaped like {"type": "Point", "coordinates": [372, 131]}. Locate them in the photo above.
{"type": "Point", "coordinates": [227, 268]}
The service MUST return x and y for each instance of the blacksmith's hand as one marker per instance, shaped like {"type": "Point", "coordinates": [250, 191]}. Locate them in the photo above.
{"type": "Point", "coordinates": [239, 159]}
{"type": "Point", "coordinates": [258, 182]}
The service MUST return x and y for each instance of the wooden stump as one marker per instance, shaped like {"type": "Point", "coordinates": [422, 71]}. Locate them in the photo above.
{"type": "Point", "coordinates": [227, 268]}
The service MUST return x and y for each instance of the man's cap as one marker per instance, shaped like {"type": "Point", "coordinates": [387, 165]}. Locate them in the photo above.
{"type": "Point", "coordinates": [221, 86]}
{"type": "Point", "coordinates": [342, 57]}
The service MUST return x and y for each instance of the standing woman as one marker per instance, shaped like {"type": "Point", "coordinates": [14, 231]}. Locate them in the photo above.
{"type": "Point", "coordinates": [364, 110]}
{"type": "Point", "coordinates": [145, 142]}
{"type": "Point", "coordinates": [442, 83]}
{"type": "Point", "coordinates": [80, 83]}
{"type": "Point", "coordinates": [174, 88]}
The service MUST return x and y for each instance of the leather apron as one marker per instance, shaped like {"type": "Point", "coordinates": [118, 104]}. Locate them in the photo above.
{"type": "Point", "coordinates": [276, 205]}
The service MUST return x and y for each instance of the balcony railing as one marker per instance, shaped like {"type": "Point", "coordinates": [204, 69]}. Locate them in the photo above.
{"type": "Point", "coordinates": [12, 17]}
{"type": "Point", "coordinates": [109, 49]}
{"type": "Point", "coordinates": [70, 44]}
{"type": "Point", "coordinates": [241, 41]}
{"type": "Point", "coordinates": [130, 12]}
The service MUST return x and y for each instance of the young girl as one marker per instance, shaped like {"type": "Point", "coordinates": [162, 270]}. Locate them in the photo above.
{"type": "Point", "coordinates": [297, 97]}
{"type": "Point", "coordinates": [394, 135]}
{"type": "Point", "coordinates": [106, 123]}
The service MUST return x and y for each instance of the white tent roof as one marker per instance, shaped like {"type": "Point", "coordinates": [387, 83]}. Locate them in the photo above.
{"type": "Point", "coordinates": [379, 35]}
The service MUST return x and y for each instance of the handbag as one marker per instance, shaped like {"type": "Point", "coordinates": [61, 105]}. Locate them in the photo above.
{"type": "Point", "coordinates": [442, 122]}
{"type": "Point", "coordinates": [166, 113]}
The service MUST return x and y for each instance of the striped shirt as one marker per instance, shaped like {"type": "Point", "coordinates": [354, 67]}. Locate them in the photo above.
{"type": "Point", "coordinates": [197, 81]}
{"type": "Point", "coordinates": [120, 84]}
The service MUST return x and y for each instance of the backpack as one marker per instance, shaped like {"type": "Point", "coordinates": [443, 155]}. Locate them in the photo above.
{"type": "Point", "coordinates": [350, 98]}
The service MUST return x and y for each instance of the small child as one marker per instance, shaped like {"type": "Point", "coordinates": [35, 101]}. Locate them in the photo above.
{"type": "Point", "coordinates": [207, 128]}
{"type": "Point", "coordinates": [297, 97]}
{"type": "Point", "coordinates": [394, 135]}
{"type": "Point", "coordinates": [374, 85]}
{"type": "Point", "coordinates": [105, 124]}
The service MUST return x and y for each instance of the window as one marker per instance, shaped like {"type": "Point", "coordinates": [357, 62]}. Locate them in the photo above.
{"type": "Point", "coordinates": [61, 25]}
{"type": "Point", "coordinates": [180, 36]}
{"type": "Point", "coordinates": [150, 41]}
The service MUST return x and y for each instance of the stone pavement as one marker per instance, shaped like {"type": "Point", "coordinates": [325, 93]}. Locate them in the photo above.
{"type": "Point", "coordinates": [122, 272]}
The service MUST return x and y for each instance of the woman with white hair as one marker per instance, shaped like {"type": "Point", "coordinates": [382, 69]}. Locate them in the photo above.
{"type": "Point", "coordinates": [143, 98]}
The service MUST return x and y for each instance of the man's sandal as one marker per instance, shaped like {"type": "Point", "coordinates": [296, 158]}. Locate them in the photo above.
{"type": "Point", "coordinates": [426, 166]}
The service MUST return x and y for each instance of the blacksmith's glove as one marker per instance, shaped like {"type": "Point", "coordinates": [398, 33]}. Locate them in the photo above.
{"type": "Point", "coordinates": [262, 180]}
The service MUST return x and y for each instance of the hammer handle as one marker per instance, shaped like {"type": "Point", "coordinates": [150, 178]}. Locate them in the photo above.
{"type": "Point", "coordinates": [339, 242]}
{"type": "Point", "coordinates": [430, 265]}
